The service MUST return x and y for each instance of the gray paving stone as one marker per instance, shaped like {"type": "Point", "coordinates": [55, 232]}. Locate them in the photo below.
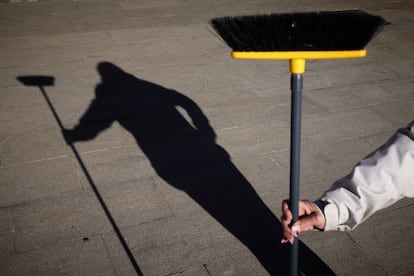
{"type": "Point", "coordinates": [268, 78]}
{"type": "Point", "coordinates": [135, 203]}
{"type": "Point", "coordinates": [406, 271]}
{"type": "Point", "coordinates": [341, 156]}
{"type": "Point", "coordinates": [16, 102]}
{"type": "Point", "coordinates": [335, 157]}
{"type": "Point", "coordinates": [264, 109]}
{"type": "Point", "coordinates": [397, 57]}
{"type": "Point", "coordinates": [257, 138]}
{"type": "Point", "coordinates": [218, 118]}
{"type": "Point", "coordinates": [7, 239]}
{"type": "Point", "coordinates": [166, 51]}
{"type": "Point", "coordinates": [37, 57]}
{"type": "Point", "coordinates": [128, 4]}
{"type": "Point", "coordinates": [183, 15]}
{"type": "Point", "coordinates": [145, 35]}
{"type": "Point", "coordinates": [122, 264]}
{"type": "Point", "coordinates": [198, 270]}
{"type": "Point", "coordinates": [253, 110]}
{"type": "Point", "coordinates": [344, 124]}
{"type": "Point", "coordinates": [57, 17]}
{"type": "Point", "coordinates": [26, 182]}
{"type": "Point", "coordinates": [111, 166]}
{"type": "Point", "coordinates": [33, 146]}
{"type": "Point", "coordinates": [70, 216]}
{"type": "Point", "coordinates": [70, 40]}
{"type": "Point", "coordinates": [386, 238]}
{"type": "Point", "coordinates": [400, 112]}
{"type": "Point", "coordinates": [178, 200]}
{"type": "Point", "coordinates": [399, 88]}
{"type": "Point", "coordinates": [394, 32]}
{"type": "Point", "coordinates": [263, 175]}
{"type": "Point", "coordinates": [116, 19]}
{"type": "Point", "coordinates": [341, 254]}
{"type": "Point", "coordinates": [237, 263]}
{"type": "Point", "coordinates": [377, 139]}
{"type": "Point", "coordinates": [14, 43]}
{"type": "Point", "coordinates": [203, 83]}
{"type": "Point", "coordinates": [347, 97]}
{"type": "Point", "coordinates": [74, 257]}
{"type": "Point", "coordinates": [180, 244]}
{"type": "Point", "coordinates": [83, 72]}
{"type": "Point", "coordinates": [400, 18]}
{"type": "Point", "coordinates": [345, 75]}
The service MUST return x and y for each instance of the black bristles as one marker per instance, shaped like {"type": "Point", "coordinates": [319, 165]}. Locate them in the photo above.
{"type": "Point", "coordinates": [307, 31]}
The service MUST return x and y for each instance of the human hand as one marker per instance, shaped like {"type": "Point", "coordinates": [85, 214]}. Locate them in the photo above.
{"type": "Point", "coordinates": [310, 217]}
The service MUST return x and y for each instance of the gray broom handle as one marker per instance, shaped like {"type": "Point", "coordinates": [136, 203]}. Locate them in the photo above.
{"type": "Point", "coordinates": [295, 141]}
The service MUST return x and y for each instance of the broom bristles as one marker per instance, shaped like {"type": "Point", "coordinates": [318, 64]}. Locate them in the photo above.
{"type": "Point", "coordinates": [307, 31]}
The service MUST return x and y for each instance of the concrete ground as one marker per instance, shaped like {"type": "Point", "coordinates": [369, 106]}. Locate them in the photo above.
{"type": "Point", "coordinates": [186, 174]}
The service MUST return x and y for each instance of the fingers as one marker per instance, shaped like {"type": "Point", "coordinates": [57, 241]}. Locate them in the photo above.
{"type": "Point", "coordinates": [306, 223]}
{"type": "Point", "coordinates": [286, 220]}
{"type": "Point", "coordinates": [288, 234]}
{"type": "Point", "coordinates": [289, 238]}
{"type": "Point", "coordinates": [309, 218]}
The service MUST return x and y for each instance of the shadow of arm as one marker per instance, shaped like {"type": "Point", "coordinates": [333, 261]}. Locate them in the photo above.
{"type": "Point", "coordinates": [197, 116]}
{"type": "Point", "coordinates": [95, 120]}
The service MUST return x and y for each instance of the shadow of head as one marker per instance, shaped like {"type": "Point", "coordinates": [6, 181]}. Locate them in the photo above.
{"type": "Point", "coordinates": [110, 73]}
{"type": "Point", "coordinates": [108, 69]}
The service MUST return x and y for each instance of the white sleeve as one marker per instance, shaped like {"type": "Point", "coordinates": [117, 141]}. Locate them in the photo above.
{"type": "Point", "coordinates": [376, 182]}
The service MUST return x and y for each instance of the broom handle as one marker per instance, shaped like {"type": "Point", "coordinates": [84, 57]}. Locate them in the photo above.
{"type": "Point", "coordinates": [295, 141]}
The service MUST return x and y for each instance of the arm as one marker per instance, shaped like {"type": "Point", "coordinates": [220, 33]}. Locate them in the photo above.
{"type": "Point", "coordinates": [376, 182]}
{"type": "Point", "coordinates": [197, 116]}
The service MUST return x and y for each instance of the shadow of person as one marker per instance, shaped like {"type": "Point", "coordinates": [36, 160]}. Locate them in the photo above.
{"type": "Point", "coordinates": [184, 153]}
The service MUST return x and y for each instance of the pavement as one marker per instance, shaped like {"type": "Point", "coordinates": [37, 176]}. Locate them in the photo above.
{"type": "Point", "coordinates": [180, 167]}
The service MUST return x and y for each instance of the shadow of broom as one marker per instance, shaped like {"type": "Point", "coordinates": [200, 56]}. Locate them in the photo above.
{"type": "Point", "coordinates": [41, 82]}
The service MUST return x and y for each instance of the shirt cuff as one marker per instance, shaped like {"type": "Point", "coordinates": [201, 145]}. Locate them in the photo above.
{"type": "Point", "coordinates": [331, 217]}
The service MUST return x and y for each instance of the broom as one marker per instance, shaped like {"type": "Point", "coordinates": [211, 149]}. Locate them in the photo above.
{"type": "Point", "coordinates": [297, 37]}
